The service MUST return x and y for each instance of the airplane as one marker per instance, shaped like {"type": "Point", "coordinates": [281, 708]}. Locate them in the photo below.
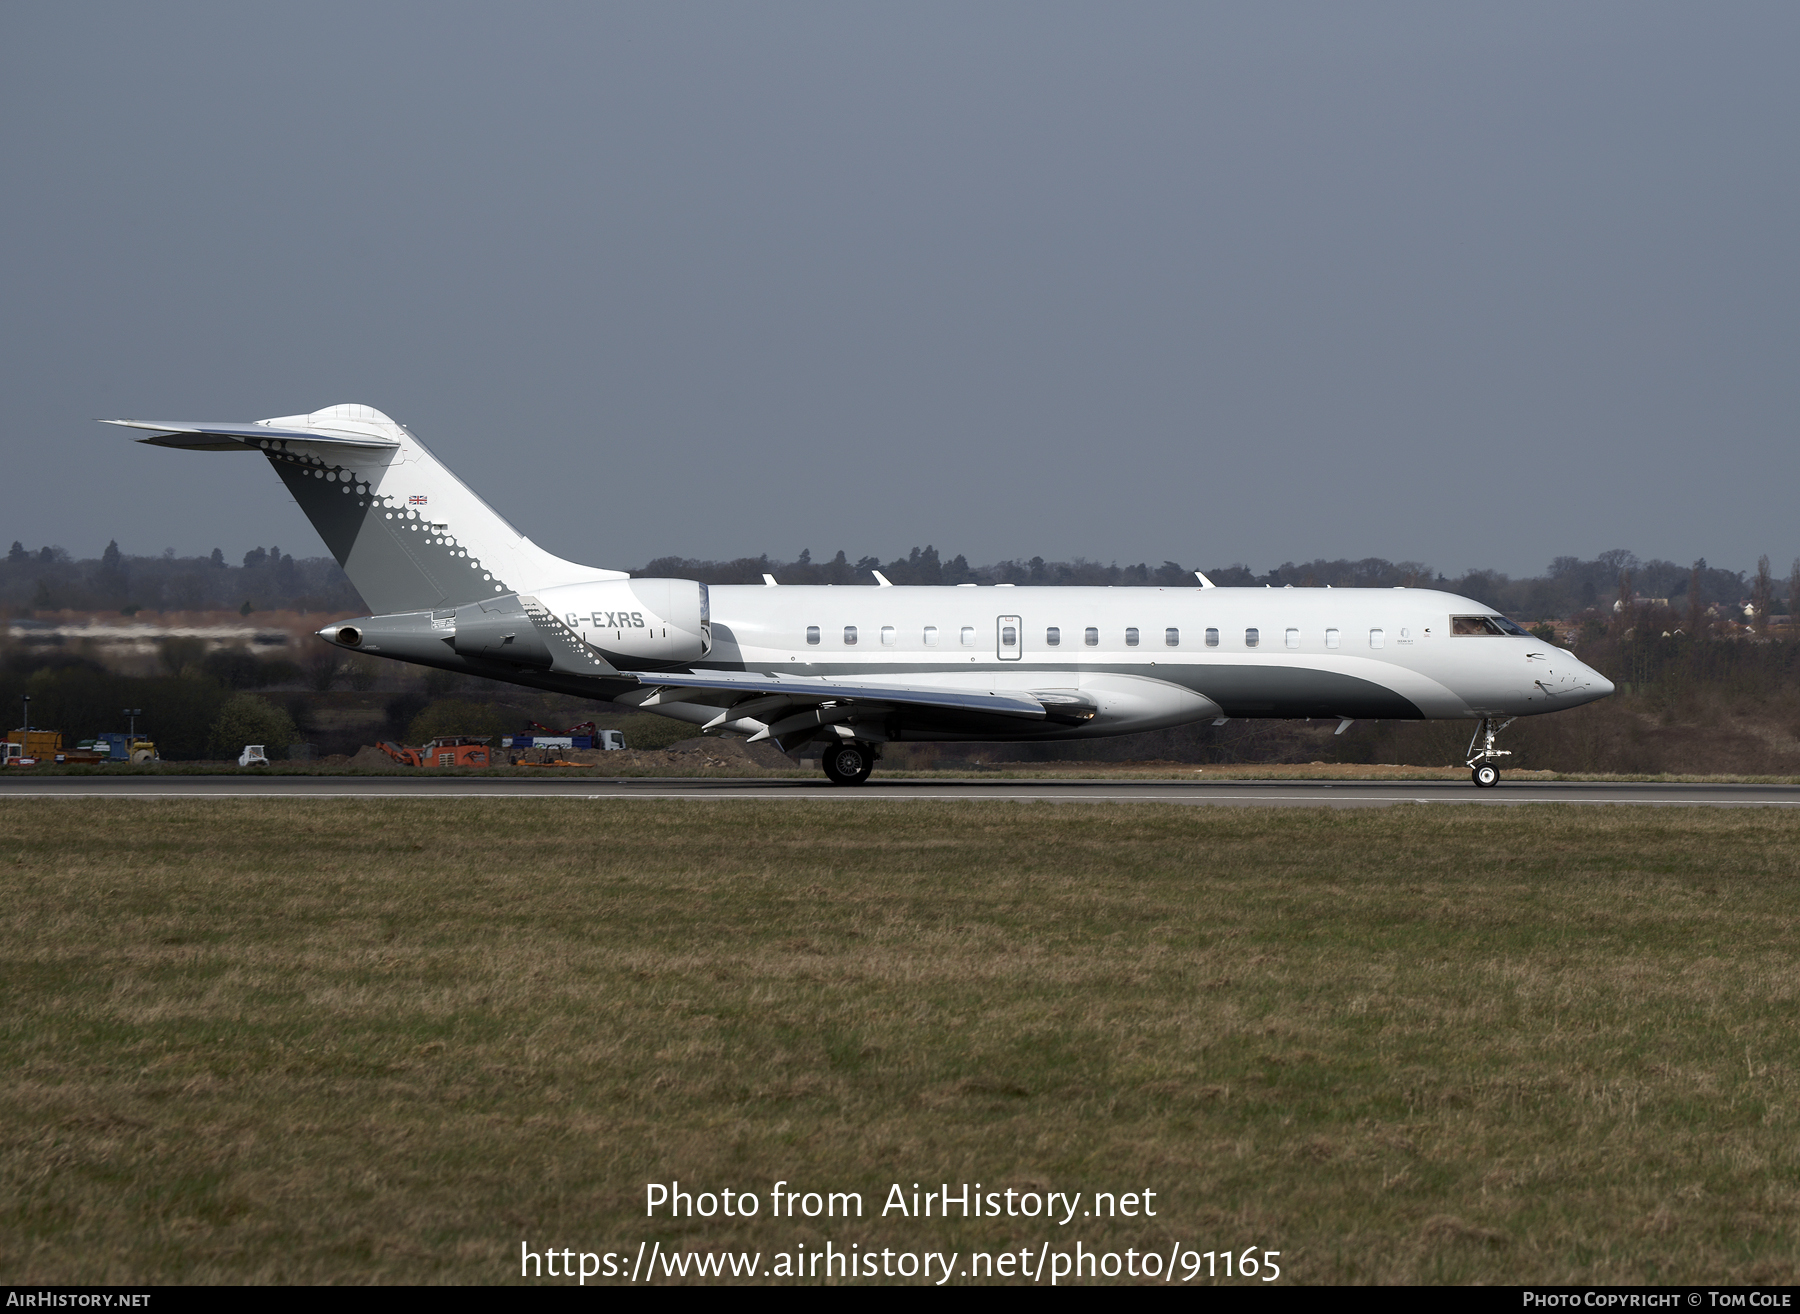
{"type": "Point", "coordinates": [454, 586]}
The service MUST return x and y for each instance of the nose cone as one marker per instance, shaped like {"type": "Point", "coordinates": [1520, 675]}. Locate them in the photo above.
{"type": "Point", "coordinates": [1593, 686]}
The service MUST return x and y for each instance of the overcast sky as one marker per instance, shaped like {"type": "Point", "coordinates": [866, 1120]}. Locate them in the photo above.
{"type": "Point", "coordinates": [1472, 285]}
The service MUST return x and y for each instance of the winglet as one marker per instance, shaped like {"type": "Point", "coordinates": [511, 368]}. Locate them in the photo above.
{"type": "Point", "coordinates": [1205, 583]}
{"type": "Point", "coordinates": [882, 580]}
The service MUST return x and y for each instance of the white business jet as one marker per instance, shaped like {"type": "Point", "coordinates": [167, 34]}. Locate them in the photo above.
{"type": "Point", "coordinates": [456, 587]}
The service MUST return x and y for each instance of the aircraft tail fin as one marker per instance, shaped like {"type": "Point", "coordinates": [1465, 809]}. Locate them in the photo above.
{"type": "Point", "coordinates": [409, 534]}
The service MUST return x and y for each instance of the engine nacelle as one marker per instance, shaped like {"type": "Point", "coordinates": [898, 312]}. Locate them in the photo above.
{"type": "Point", "coordinates": [637, 620]}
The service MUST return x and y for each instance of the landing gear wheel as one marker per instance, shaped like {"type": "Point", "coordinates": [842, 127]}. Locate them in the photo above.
{"type": "Point", "coordinates": [848, 762]}
{"type": "Point", "coordinates": [1482, 752]}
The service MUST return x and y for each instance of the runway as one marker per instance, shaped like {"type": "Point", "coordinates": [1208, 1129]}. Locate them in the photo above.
{"type": "Point", "coordinates": [1233, 793]}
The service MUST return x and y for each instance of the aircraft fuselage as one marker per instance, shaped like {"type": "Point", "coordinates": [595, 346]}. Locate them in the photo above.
{"type": "Point", "coordinates": [1154, 657]}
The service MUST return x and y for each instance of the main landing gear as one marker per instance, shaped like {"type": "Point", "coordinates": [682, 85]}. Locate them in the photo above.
{"type": "Point", "coordinates": [1481, 764]}
{"type": "Point", "coordinates": [848, 762]}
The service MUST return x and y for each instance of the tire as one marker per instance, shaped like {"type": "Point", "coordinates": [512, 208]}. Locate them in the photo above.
{"type": "Point", "coordinates": [848, 762]}
{"type": "Point", "coordinates": [1486, 776]}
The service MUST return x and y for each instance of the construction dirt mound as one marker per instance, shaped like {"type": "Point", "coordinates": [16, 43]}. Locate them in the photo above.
{"type": "Point", "coordinates": [686, 755]}
{"type": "Point", "coordinates": [734, 752]}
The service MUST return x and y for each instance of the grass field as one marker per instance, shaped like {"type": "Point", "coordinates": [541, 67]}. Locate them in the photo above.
{"type": "Point", "coordinates": [311, 1041]}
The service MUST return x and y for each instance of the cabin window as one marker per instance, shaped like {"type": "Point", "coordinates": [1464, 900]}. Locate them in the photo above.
{"type": "Point", "coordinates": [1293, 638]}
{"type": "Point", "coordinates": [1252, 638]}
{"type": "Point", "coordinates": [1053, 636]}
{"type": "Point", "coordinates": [1172, 637]}
{"type": "Point", "coordinates": [1377, 638]}
{"type": "Point", "coordinates": [1009, 636]}
{"type": "Point", "coordinates": [1331, 638]}
{"type": "Point", "coordinates": [968, 636]}
{"type": "Point", "coordinates": [931, 636]}
{"type": "Point", "coordinates": [1091, 637]}
{"type": "Point", "coordinates": [1131, 637]}
{"type": "Point", "coordinates": [887, 635]}
{"type": "Point", "coordinates": [812, 633]}
{"type": "Point", "coordinates": [1212, 638]}
{"type": "Point", "coordinates": [849, 636]}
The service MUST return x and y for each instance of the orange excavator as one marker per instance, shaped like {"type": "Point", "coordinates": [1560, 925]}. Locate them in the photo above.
{"type": "Point", "coordinates": [444, 751]}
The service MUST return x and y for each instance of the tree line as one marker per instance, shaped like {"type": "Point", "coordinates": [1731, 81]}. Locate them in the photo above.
{"type": "Point", "coordinates": [267, 579]}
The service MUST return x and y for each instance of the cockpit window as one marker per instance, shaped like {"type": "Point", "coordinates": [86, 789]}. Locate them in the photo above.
{"type": "Point", "coordinates": [1484, 625]}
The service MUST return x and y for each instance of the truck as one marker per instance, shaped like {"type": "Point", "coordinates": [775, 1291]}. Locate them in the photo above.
{"type": "Point", "coordinates": [30, 747]}
{"type": "Point", "coordinates": [609, 741]}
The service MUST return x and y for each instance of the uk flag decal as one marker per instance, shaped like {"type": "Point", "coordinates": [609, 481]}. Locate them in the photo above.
{"type": "Point", "coordinates": [417, 499]}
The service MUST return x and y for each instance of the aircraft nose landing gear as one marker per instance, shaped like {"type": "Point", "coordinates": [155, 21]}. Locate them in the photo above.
{"type": "Point", "coordinates": [1482, 768]}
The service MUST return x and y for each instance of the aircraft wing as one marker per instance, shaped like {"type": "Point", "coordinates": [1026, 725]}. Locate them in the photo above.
{"type": "Point", "coordinates": [779, 707]}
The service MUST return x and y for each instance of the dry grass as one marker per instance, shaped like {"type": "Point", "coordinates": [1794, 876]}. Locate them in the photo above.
{"type": "Point", "coordinates": [387, 1041]}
